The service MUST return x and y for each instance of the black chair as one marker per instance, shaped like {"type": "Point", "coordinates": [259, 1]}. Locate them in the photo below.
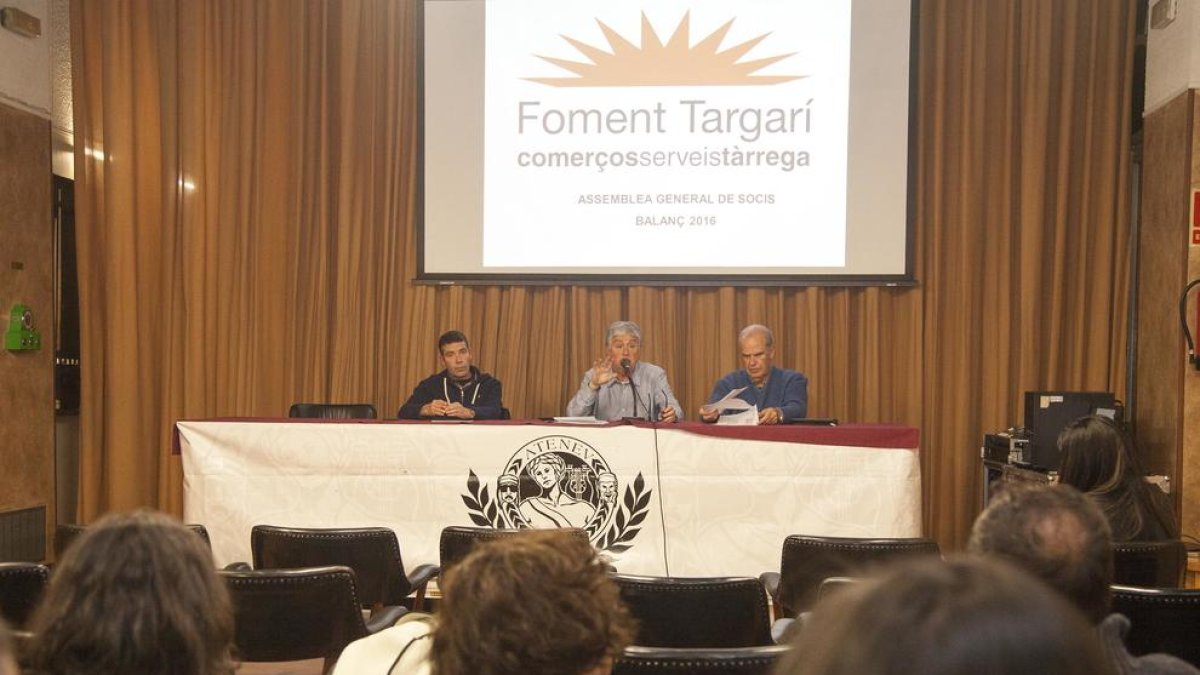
{"type": "Point", "coordinates": [807, 561]}
{"type": "Point", "coordinates": [458, 540]}
{"type": "Point", "coordinates": [737, 661]}
{"type": "Point", "coordinates": [697, 612]}
{"type": "Point", "coordinates": [1150, 564]}
{"type": "Point", "coordinates": [292, 615]}
{"type": "Point", "coordinates": [1163, 620]}
{"type": "Point", "coordinates": [66, 533]}
{"type": "Point", "coordinates": [333, 411]}
{"type": "Point", "coordinates": [834, 585]}
{"type": "Point", "coordinates": [21, 588]}
{"type": "Point", "coordinates": [372, 552]}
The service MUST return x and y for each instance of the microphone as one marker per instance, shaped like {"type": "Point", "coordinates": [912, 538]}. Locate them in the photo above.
{"type": "Point", "coordinates": [628, 368]}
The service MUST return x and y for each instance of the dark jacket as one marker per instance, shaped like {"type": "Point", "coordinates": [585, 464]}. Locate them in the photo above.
{"type": "Point", "coordinates": [481, 394]}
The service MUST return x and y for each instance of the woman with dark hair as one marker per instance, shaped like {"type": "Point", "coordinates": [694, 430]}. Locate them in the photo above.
{"type": "Point", "coordinates": [136, 594]}
{"type": "Point", "coordinates": [961, 617]}
{"type": "Point", "coordinates": [1098, 459]}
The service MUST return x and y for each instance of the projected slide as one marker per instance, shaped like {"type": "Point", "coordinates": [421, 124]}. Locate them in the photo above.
{"type": "Point", "coordinates": [673, 137]}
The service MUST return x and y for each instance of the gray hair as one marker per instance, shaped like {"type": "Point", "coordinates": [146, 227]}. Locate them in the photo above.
{"type": "Point", "coordinates": [758, 328]}
{"type": "Point", "coordinates": [627, 327]}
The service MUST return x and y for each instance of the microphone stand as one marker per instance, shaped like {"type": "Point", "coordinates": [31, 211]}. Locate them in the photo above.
{"type": "Point", "coordinates": [628, 368]}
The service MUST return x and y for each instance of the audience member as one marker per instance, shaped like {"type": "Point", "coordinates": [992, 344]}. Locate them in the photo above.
{"type": "Point", "coordinates": [1059, 536]}
{"type": "Point", "coordinates": [781, 395]}
{"type": "Point", "coordinates": [540, 603]}
{"type": "Point", "coordinates": [1098, 458]}
{"type": "Point", "coordinates": [619, 385]}
{"type": "Point", "coordinates": [460, 390]}
{"type": "Point", "coordinates": [135, 594]}
{"type": "Point", "coordinates": [959, 617]}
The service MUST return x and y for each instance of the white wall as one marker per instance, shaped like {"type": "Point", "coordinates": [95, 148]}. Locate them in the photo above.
{"type": "Point", "coordinates": [25, 63]}
{"type": "Point", "coordinates": [1173, 56]}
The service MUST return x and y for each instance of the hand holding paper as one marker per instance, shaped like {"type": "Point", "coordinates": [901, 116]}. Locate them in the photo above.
{"type": "Point", "coordinates": [712, 412]}
{"type": "Point", "coordinates": [729, 402]}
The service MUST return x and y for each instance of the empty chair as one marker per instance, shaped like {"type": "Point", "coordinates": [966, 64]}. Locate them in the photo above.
{"type": "Point", "coordinates": [736, 661]}
{"type": "Point", "coordinates": [1149, 564]}
{"type": "Point", "coordinates": [65, 533]}
{"type": "Point", "coordinates": [333, 411]}
{"type": "Point", "coordinates": [1163, 620]}
{"type": "Point", "coordinates": [458, 540]}
{"type": "Point", "coordinates": [21, 587]}
{"type": "Point", "coordinates": [697, 612]}
{"type": "Point", "coordinates": [372, 552]}
{"type": "Point", "coordinates": [809, 560]}
{"type": "Point", "coordinates": [291, 615]}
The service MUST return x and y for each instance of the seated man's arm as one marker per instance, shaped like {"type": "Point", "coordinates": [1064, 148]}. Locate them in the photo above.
{"type": "Point", "coordinates": [663, 392]}
{"type": "Point", "coordinates": [583, 403]}
{"type": "Point", "coordinates": [720, 391]}
{"type": "Point", "coordinates": [488, 405]}
{"type": "Point", "coordinates": [411, 410]}
{"type": "Point", "coordinates": [795, 398]}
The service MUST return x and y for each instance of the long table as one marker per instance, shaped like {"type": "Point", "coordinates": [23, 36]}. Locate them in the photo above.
{"type": "Point", "coordinates": [679, 500]}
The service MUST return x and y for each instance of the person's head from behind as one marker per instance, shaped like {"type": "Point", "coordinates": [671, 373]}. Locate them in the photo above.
{"type": "Point", "coordinates": [1055, 533]}
{"type": "Point", "coordinates": [455, 351]}
{"type": "Point", "coordinates": [1095, 454]}
{"type": "Point", "coordinates": [541, 602]}
{"type": "Point", "coordinates": [1097, 457]}
{"type": "Point", "coordinates": [135, 593]}
{"type": "Point", "coordinates": [961, 617]}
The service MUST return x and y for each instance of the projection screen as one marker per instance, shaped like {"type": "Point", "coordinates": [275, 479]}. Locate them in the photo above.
{"type": "Point", "coordinates": [666, 141]}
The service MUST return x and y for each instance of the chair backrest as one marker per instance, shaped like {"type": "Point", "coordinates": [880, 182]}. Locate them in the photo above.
{"type": "Point", "coordinates": [66, 533]}
{"type": "Point", "coordinates": [1150, 564]}
{"type": "Point", "coordinates": [1163, 620]}
{"type": "Point", "coordinates": [736, 661]}
{"type": "Point", "coordinates": [21, 588]}
{"type": "Point", "coordinates": [333, 411]}
{"type": "Point", "coordinates": [697, 612]}
{"type": "Point", "coordinates": [809, 560]}
{"type": "Point", "coordinates": [291, 615]}
{"type": "Point", "coordinates": [458, 540]}
{"type": "Point", "coordinates": [834, 585]}
{"type": "Point", "coordinates": [372, 552]}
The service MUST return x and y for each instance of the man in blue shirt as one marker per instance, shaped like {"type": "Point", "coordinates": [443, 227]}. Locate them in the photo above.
{"type": "Point", "coordinates": [780, 394]}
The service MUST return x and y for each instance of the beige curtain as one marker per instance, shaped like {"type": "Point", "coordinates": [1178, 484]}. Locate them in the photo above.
{"type": "Point", "coordinates": [245, 182]}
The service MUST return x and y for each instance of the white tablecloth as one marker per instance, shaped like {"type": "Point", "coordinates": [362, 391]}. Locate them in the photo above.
{"type": "Point", "coordinates": [684, 500]}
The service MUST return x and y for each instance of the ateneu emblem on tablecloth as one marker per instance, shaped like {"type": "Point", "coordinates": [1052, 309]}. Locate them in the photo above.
{"type": "Point", "coordinates": [560, 481]}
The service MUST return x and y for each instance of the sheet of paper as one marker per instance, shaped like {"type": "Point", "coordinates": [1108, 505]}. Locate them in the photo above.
{"type": "Point", "coordinates": [579, 420]}
{"type": "Point", "coordinates": [747, 417]}
{"type": "Point", "coordinates": [729, 402]}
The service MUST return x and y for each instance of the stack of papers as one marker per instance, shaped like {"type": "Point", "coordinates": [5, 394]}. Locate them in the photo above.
{"type": "Point", "coordinates": [579, 420]}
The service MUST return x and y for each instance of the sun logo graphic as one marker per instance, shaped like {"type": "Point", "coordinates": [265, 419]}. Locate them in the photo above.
{"type": "Point", "coordinates": [672, 64]}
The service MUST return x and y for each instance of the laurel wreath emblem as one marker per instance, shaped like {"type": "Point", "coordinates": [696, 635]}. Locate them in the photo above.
{"type": "Point", "coordinates": [627, 522]}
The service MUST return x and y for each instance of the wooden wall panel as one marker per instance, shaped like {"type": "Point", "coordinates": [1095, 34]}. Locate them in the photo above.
{"type": "Point", "coordinates": [1178, 209]}
{"type": "Point", "coordinates": [26, 276]}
